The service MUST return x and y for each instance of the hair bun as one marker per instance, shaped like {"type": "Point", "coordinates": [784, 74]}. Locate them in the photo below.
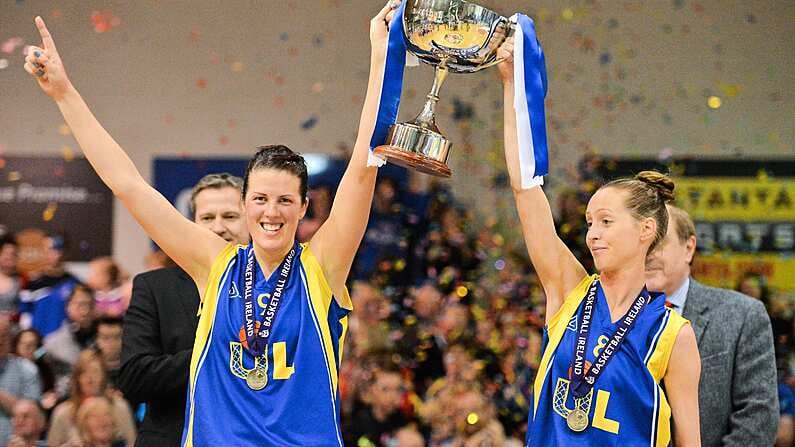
{"type": "Point", "coordinates": [661, 183]}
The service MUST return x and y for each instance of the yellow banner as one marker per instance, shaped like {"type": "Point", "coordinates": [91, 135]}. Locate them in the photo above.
{"type": "Point", "coordinates": [738, 199]}
{"type": "Point", "coordinates": [726, 270]}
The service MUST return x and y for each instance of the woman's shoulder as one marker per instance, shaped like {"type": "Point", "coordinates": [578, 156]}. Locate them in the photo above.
{"type": "Point", "coordinates": [63, 409]}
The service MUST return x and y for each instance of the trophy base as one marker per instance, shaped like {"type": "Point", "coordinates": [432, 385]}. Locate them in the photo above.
{"type": "Point", "coordinates": [415, 146]}
{"type": "Point", "coordinates": [413, 160]}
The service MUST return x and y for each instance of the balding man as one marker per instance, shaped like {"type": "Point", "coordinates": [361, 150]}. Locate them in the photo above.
{"type": "Point", "coordinates": [738, 398]}
{"type": "Point", "coordinates": [29, 424]}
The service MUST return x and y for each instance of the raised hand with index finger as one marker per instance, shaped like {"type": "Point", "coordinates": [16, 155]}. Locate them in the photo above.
{"type": "Point", "coordinates": [45, 65]}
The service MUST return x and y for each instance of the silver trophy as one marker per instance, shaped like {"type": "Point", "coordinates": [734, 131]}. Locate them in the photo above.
{"type": "Point", "coordinates": [454, 36]}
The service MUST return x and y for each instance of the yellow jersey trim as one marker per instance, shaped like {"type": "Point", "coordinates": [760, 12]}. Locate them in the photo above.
{"type": "Point", "coordinates": [320, 296]}
{"type": "Point", "coordinates": [555, 329]}
{"type": "Point", "coordinates": [208, 306]}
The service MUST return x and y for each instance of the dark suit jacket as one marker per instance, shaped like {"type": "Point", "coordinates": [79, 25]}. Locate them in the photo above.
{"type": "Point", "coordinates": [738, 394]}
{"type": "Point", "coordinates": [159, 329]}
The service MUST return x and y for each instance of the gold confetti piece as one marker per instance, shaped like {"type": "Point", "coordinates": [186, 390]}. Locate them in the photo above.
{"type": "Point", "coordinates": [713, 102]}
{"type": "Point", "coordinates": [237, 67]}
{"type": "Point", "coordinates": [68, 153]}
{"type": "Point", "coordinates": [472, 418]}
{"type": "Point", "coordinates": [14, 176]}
{"type": "Point", "coordinates": [49, 212]}
{"type": "Point", "coordinates": [730, 90]}
{"type": "Point", "coordinates": [461, 291]}
{"type": "Point", "coordinates": [400, 264]}
{"type": "Point", "coordinates": [567, 14]}
{"type": "Point", "coordinates": [64, 130]}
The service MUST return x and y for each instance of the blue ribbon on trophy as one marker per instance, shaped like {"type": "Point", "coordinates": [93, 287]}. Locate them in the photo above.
{"type": "Point", "coordinates": [419, 144]}
{"type": "Point", "coordinates": [530, 89]}
{"type": "Point", "coordinates": [392, 86]}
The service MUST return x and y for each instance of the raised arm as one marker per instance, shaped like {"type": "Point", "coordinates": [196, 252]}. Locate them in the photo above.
{"type": "Point", "coordinates": [337, 240]}
{"type": "Point", "coordinates": [191, 246]}
{"type": "Point", "coordinates": [557, 268]}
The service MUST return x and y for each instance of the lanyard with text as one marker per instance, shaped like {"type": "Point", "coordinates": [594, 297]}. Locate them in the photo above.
{"type": "Point", "coordinates": [257, 337]}
{"type": "Point", "coordinates": [582, 380]}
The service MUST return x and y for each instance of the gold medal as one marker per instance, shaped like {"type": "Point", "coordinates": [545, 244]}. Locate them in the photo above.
{"type": "Point", "coordinates": [257, 378]}
{"type": "Point", "coordinates": [577, 420]}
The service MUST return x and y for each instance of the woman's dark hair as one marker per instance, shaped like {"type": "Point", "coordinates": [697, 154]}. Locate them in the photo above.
{"type": "Point", "coordinates": [281, 158]}
{"type": "Point", "coordinates": [648, 193]}
{"type": "Point", "coordinates": [19, 335]}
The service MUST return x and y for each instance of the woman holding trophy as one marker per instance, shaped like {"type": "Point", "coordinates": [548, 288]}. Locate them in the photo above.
{"type": "Point", "coordinates": [617, 365]}
{"type": "Point", "coordinates": [273, 316]}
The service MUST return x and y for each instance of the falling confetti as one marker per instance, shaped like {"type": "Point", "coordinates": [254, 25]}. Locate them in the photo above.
{"type": "Point", "coordinates": [11, 44]}
{"type": "Point", "coordinates": [713, 102]}
{"type": "Point", "coordinates": [309, 123]}
{"type": "Point", "coordinates": [14, 176]}
{"type": "Point", "coordinates": [67, 153]}
{"type": "Point", "coordinates": [3, 64]}
{"type": "Point", "coordinates": [567, 14]}
{"type": "Point", "coordinates": [237, 67]}
{"type": "Point", "coordinates": [49, 212]}
{"type": "Point", "coordinates": [195, 35]}
{"type": "Point", "coordinates": [317, 87]}
{"type": "Point", "coordinates": [104, 21]}
{"type": "Point", "coordinates": [223, 140]}
{"type": "Point", "coordinates": [64, 130]}
{"type": "Point", "coordinates": [201, 83]}
{"type": "Point", "coordinates": [317, 41]}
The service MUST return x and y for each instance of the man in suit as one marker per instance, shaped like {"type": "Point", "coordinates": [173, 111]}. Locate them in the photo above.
{"type": "Point", "coordinates": [738, 398]}
{"type": "Point", "coordinates": [160, 324]}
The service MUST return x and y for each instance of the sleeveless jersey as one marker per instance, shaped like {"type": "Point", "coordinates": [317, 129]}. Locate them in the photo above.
{"type": "Point", "coordinates": [300, 402]}
{"type": "Point", "coordinates": [627, 405]}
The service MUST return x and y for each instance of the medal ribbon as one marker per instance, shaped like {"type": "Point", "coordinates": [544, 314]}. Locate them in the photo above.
{"type": "Point", "coordinates": [582, 381]}
{"type": "Point", "coordinates": [257, 341]}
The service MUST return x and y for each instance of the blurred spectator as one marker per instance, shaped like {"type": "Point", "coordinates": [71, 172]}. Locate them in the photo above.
{"type": "Point", "coordinates": [18, 380]}
{"type": "Point", "coordinates": [10, 282]}
{"type": "Point", "coordinates": [29, 424]}
{"type": "Point", "coordinates": [78, 329]}
{"type": "Point", "coordinates": [386, 241]}
{"type": "Point", "coordinates": [320, 200]}
{"type": "Point", "coordinates": [369, 330]}
{"type": "Point", "coordinates": [755, 286]}
{"type": "Point", "coordinates": [407, 436]}
{"type": "Point", "coordinates": [43, 301]}
{"type": "Point", "coordinates": [111, 287]}
{"type": "Point", "coordinates": [421, 344]}
{"type": "Point", "coordinates": [90, 379]}
{"type": "Point", "coordinates": [378, 417]}
{"type": "Point", "coordinates": [28, 345]}
{"type": "Point", "coordinates": [96, 426]}
{"type": "Point", "coordinates": [108, 345]}
{"type": "Point", "coordinates": [476, 423]}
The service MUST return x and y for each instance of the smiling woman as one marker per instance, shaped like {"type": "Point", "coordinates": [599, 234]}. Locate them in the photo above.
{"type": "Point", "coordinates": [254, 378]}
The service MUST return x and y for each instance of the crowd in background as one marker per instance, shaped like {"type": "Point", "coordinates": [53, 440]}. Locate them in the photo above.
{"type": "Point", "coordinates": [442, 349]}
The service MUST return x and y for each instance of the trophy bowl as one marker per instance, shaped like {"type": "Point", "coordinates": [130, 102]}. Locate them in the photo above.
{"type": "Point", "coordinates": [454, 36]}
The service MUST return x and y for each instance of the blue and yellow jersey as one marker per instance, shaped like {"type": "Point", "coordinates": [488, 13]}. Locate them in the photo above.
{"type": "Point", "coordinates": [300, 403]}
{"type": "Point", "coordinates": [627, 405]}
